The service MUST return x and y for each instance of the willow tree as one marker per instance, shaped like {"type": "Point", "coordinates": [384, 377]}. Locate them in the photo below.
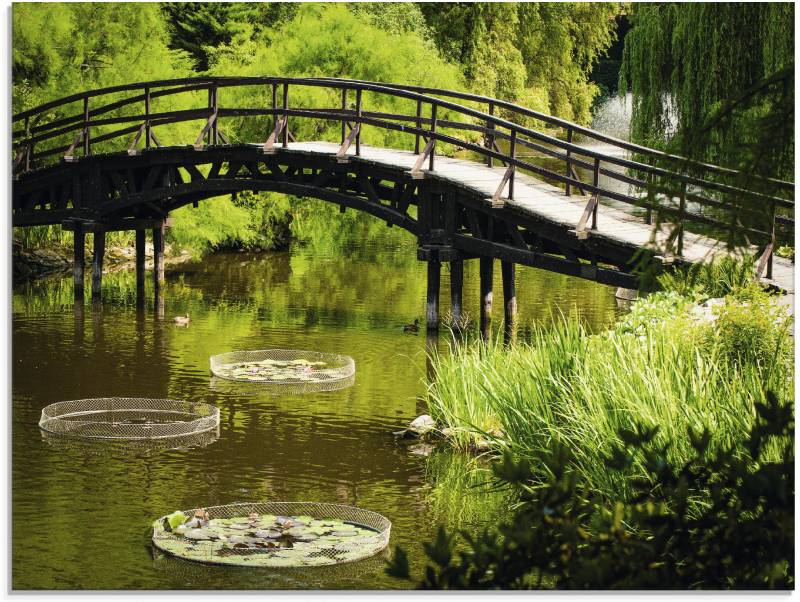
{"type": "Point", "coordinates": [539, 54]}
{"type": "Point", "coordinates": [715, 80]}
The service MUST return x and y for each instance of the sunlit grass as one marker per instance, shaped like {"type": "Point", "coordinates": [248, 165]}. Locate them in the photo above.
{"type": "Point", "coordinates": [565, 384]}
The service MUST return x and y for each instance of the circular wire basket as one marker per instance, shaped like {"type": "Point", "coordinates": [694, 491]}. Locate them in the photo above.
{"type": "Point", "coordinates": [128, 419]}
{"type": "Point", "coordinates": [238, 388]}
{"type": "Point", "coordinates": [372, 537]}
{"type": "Point", "coordinates": [282, 369]}
{"type": "Point", "coordinates": [128, 447]}
{"type": "Point", "coordinates": [180, 574]}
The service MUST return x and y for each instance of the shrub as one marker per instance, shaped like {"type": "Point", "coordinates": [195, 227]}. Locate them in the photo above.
{"type": "Point", "coordinates": [753, 330]}
{"type": "Point", "coordinates": [721, 520]}
{"type": "Point", "coordinates": [652, 310]}
{"type": "Point", "coordinates": [716, 278]}
{"type": "Point", "coordinates": [661, 366]}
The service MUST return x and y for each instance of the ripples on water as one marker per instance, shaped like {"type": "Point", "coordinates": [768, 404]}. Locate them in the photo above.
{"type": "Point", "coordinates": [80, 517]}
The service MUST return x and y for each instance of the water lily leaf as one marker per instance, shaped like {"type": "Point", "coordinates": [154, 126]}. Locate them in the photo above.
{"type": "Point", "coordinates": [175, 519]}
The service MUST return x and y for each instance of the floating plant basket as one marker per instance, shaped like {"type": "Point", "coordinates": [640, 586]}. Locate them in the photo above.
{"type": "Point", "coordinates": [128, 447]}
{"type": "Point", "coordinates": [223, 385]}
{"type": "Point", "coordinates": [129, 419]}
{"type": "Point", "coordinates": [273, 534]}
{"type": "Point", "coordinates": [282, 369]}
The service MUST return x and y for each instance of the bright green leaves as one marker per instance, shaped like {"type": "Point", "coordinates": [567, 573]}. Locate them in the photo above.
{"type": "Point", "coordinates": [268, 540]}
{"type": "Point", "coordinates": [175, 519]}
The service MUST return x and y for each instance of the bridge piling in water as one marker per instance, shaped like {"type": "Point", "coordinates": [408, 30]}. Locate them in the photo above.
{"type": "Point", "coordinates": [99, 243]}
{"type": "Point", "coordinates": [79, 260]}
{"type": "Point", "coordinates": [140, 260]}
{"type": "Point", "coordinates": [158, 257]}
{"type": "Point", "coordinates": [508, 270]}
{"type": "Point", "coordinates": [486, 276]}
{"type": "Point", "coordinates": [456, 289]}
{"type": "Point", "coordinates": [432, 304]}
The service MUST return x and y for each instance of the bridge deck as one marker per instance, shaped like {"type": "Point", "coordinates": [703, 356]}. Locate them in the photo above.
{"type": "Point", "coordinates": [534, 197]}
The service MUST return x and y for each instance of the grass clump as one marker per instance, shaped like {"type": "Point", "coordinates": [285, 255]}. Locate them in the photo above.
{"type": "Point", "coordinates": [563, 536]}
{"type": "Point", "coordinates": [668, 365]}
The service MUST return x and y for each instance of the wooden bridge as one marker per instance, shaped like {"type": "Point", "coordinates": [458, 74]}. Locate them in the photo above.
{"type": "Point", "coordinates": [477, 180]}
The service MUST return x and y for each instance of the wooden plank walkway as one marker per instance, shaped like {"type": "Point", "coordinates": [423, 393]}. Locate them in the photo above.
{"type": "Point", "coordinates": [534, 197]}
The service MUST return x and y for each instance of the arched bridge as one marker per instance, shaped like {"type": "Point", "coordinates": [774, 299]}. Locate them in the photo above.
{"type": "Point", "coordinates": [479, 177]}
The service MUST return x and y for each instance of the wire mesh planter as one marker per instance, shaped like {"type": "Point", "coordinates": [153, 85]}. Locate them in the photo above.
{"type": "Point", "coordinates": [286, 370]}
{"type": "Point", "coordinates": [127, 447]}
{"type": "Point", "coordinates": [238, 388]}
{"type": "Point", "coordinates": [129, 418]}
{"type": "Point", "coordinates": [178, 572]}
{"type": "Point", "coordinates": [273, 534]}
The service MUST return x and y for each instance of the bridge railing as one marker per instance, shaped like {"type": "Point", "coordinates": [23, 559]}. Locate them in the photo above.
{"type": "Point", "coordinates": [685, 193]}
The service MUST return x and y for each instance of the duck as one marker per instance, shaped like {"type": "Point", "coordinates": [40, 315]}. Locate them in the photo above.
{"type": "Point", "coordinates": [412, 327]}
{"type": "Point", "coordinates": [181, 320]}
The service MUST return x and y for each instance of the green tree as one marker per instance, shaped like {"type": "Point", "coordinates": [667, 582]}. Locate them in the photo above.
{"type": "Point", "coordinates": [63, 48]}
{"type": "Point", "coordinates": [199, 27]}
{"type": "Point", "coordinates": [720, 74]}
{"type": "Point", "coordinates": [394, 17]}
{"type": "Point", "coordinates": [539, 54]}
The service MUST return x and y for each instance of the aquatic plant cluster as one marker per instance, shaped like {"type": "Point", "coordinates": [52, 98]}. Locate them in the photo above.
{"type": "Point", "coordinates": [676, 361]}
{"type": "Point", "coordinates": [719, 520]}
{"type": "Point", "coordinates": [285, 367]}
{"type": "Point", "coordinates": [276, 371]}
{"type": "Point", "coordinates": [265, 539]}
{"type": "Point", "coordinates": [658, 454]}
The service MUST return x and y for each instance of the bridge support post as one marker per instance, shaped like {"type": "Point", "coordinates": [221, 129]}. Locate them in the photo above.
{"type": "Point", "coordinates": [140, 257]}
{"type": "Point", "coordinates": [509, 298]}
{"type": "Point", "coordinates": [79, 260]}
{"type": "Point", "coordinates": [456, 289]}
{"type": "Point", "coordinates": [432, 306]}
{"type": "Point", "coordinates": [97, 264]}
{"type": "Point", "coordinates": [486, 277]}
{"type": "Point", "coordinates": [158, 257]}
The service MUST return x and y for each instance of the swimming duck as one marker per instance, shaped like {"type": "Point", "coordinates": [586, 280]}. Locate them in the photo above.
{"type": "Point", "coordinates": [412, 327]}
{"type": "Point", "coordinates": [181, 320]}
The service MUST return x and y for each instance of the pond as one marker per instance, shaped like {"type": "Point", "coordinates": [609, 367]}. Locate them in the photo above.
{"type": "Point", "coordinates": [81, 513]}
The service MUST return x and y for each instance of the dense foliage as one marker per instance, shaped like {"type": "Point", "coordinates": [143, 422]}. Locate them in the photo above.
{"type": "Point", "coordinates": [722, 74]}
{"type": "Point", "coordinates": [536, 54]}
{"type": "Point", "coordinates": [669, 364]}
{"type": "Point", "coordinates": [64, 48]}
{"type": "Point", "coordinates": [720, 519]}
{"type": "Point", "coordinates": [199, 27]}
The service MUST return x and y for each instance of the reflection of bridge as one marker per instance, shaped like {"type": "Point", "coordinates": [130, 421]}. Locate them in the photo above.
{"type": "Point", "coordinates": [107, 160]}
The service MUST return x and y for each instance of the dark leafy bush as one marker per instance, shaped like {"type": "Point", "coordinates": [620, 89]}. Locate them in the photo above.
{"type": "Point", "coordinates": [722, 520]}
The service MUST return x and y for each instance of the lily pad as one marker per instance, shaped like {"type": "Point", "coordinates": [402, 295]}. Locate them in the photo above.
{"type": "Point", "coordinates": [269, 540]}
{"type": "Point", "coordinates": [200, 534]}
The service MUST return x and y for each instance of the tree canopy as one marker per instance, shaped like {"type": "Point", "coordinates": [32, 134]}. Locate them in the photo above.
{"type": "Point", "coordinates": [199, 27]}
{"type": "Point", "coordinates": [536, 53]}
{"type": "Point", "coordinates": [62, 48]}
{"type": "Point", "coordinates": [720, 73]}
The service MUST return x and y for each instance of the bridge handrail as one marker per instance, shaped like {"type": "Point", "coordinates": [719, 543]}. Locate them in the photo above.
{"type": "Point", "coordinates": [492, 126]}
{"type": "Point", "coordinates": [199, 83]}
{"type": "Point", "coordinates": [569, 125]}
{"type": "Point", "coordinates": [563, 123]}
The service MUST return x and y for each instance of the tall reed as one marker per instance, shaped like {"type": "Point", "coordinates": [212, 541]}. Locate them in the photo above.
{"type": "Point", "coordinates": [676, 374]}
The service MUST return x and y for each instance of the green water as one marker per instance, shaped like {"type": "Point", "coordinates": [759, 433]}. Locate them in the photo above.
{"type": "Point", "coordinates": [80, 513]}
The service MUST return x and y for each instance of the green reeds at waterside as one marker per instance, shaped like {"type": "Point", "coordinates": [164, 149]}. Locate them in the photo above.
{"type": "Point", "coordinates": [676, 373]}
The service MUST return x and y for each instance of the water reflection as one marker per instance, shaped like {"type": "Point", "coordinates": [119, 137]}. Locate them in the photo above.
{"type": "Point", "coordinates": [133, 447]}
{"type": "Point", "coordinates": [79, 517]}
